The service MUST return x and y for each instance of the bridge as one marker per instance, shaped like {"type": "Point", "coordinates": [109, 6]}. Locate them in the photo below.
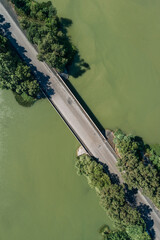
{"type": "Point", "coordinates": [66, 104]}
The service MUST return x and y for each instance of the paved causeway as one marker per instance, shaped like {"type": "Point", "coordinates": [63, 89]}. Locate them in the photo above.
{"type": "Point", "coordinates": [67, 106]}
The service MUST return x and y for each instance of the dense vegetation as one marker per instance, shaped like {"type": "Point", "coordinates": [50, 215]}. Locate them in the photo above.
{"type": "Point", "coordinates": [112, 199]}
{"type": "Point", "coordinates": [44, 28]}
{"type": "Point", "coordinates": [130, 233]}
{"type": "Point", "coordinates": [139, 165]}
{"type": "Point", "coordinates": [16, 75]}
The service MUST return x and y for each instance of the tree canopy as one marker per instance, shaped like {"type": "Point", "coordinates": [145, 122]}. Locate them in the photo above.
{"type": "Point", "coordinates": [44, 28]}
{"type": "Point", "coordinates": [14, 73]}
{"type": "Point", "coordinates": [137, 165]}
{"type": "Point", "coordinates": [112, 198]}
{"type": "Point", "coordinates": [136, 233]}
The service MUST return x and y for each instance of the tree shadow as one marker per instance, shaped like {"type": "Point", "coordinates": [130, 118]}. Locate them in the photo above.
{"type": "Point", "coordinates": [130, 195]}
{"type": "Point", "coordinates": [145, 211]}
{"type": "Point", "coordinates": [65, 23]}
{"type": "Point", "coordinates": [131, 199]}
{"type": "Point", "coordinates": [113, 177]}
{"type": "Point", "coordinates": [44, 81]}
{"type": "Point", "coordinates": [2, 19]}
{"type": "Point", "coordinates": [84, 105]}
{"type": "Point", "coordinates": [41, 78]}
{"type": "Point", "coordinates": [77, 67]}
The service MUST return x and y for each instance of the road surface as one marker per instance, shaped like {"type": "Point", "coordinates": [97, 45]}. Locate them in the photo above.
{"type": "Point", "coordinates": [67, 106]}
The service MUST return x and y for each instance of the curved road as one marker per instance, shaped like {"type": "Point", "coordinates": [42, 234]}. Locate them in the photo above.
{"type": "Point", "coordinates": [67, 106]}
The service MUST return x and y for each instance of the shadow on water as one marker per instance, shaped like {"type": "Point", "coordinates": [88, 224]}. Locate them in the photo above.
{"type": "Point", "coordinates": [84, 105]}
{"type": "Point", "coordinates": [78, 66]}
{"type": "Point", "coordinates": [42, 79]}
{"type": "Point", "coordinates": [130, 196]}
{"type": "Point", "coordinates": [65, 23]}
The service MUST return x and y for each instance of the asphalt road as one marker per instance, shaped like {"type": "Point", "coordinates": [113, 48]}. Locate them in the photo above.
{"type": "Point", "coordinates": [70, 110]}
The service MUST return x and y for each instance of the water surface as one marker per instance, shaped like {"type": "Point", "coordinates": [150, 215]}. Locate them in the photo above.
{"type": "Point", "coordinates": [41, 195]}
{"type": "Point", "coordinates": [120, 40]}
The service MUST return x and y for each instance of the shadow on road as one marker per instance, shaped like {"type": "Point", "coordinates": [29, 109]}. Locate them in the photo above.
{"type": "Point", "coordinates": [130, 196]}
{"type": "Point", "coordinates": [42, 79]}
{"type": "Point", "coordinates": [145, 211]}
{"type": "Point", "coordinates": [84, 105]}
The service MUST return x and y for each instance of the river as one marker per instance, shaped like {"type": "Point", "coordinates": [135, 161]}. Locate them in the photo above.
{"type": "Point", "coordinates": [42, 197]}
{"type": "Point", "coordinates": [120, 41]}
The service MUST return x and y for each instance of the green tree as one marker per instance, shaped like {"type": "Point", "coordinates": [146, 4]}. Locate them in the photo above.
{"type": "Point", "coordinates": [117, 236]}
{"type": "Point", "coordinates": [136, 167]}
{"type": "Point", "coordinates": [44, 28]}
{"type": "Point", "coordinates": [14, 73]}
{"type": "Point", "coordinates": [136, 233]}
{"type": "Point", "coordinates": [112, 196]}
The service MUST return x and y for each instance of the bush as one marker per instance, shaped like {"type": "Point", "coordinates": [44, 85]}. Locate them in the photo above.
{"type": "Point", "coordinates": [24, 100]}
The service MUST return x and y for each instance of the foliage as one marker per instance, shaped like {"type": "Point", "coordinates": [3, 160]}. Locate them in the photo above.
{"type": "Point", "coordinates": [14, 74]}
{"type": "Point", "coordinates": [156, 148]}
{"type": "Point", "coordinates": [119, 235]}
{"type": "Point", "coordinates": [132, 232]}
{"type": "Point", "coordinates": [24, 99]}
{"type": "Point", "coordinates": [153, 153]}
{"type": "Point", "coordinates": [44, 29]}
{"type": "Point", "coordinates": [136, 233]}
{"type": "Point", "coordinates": [137, 165]}
{"type": "Point", "coordinates": [112, 197]}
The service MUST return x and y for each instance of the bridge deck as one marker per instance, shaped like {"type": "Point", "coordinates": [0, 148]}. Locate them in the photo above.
{"type": "Point", "coordinates": [68, 107]}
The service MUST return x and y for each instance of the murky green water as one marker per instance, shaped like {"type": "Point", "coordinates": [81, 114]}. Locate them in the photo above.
{"type": "Point", "coordinates": [120, 40]}
{"type": "Point", "coordinates": [41, 195]}
{"type": "Point", "coordinates": [42, 198]}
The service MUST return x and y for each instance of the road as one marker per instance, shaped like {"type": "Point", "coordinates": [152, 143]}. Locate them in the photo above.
{"type": "Point", "coordinates": [68, 107]}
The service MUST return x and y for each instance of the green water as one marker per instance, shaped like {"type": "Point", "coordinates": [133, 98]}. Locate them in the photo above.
{"type": "Point", "coordinates": [42, 198]}
{"type": "Point", "coordinates": [41, 195]}
{"type": "Point", "coordinates": [120, 40]}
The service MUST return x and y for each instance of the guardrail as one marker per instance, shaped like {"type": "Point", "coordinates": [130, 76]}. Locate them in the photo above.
{"type": "Point", "coordinates": [13, 14]}
{"type": "Point", "coordinates": [82, 109]}
{"type": "Point", "coordinates": [67, 123]}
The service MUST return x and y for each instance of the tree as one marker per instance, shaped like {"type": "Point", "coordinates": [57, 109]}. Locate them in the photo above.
{"type": "Point", "coordinates": [112, 196]}
{"type": "Point", "coordinates": [44, 29]}
{"type": "Point", "coordinates": [117, 236]}
{"type": "Point", "coordinates": [14, 73]}
{"type": "Point", "coordinates": [137, 233]}
{"type": "Point", "coordinates": [136, 167]}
